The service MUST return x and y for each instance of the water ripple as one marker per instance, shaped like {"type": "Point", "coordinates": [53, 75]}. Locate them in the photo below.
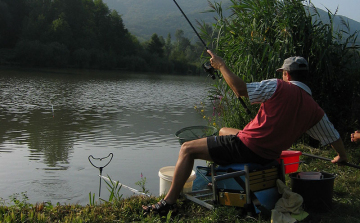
{"type": "Point", "coordinates": [51, 122]}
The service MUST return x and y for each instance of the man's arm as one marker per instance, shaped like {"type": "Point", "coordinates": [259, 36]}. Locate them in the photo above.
{"type": "Point", "coordinates": [325, 132]}
{"type": "Point", "coordinates": [235, 83]}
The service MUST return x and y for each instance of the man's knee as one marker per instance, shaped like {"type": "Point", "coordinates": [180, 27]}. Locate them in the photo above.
{"type": "Point", "coordinates": [222, 131]}
{"type": "Point", "coordinates": [185, 148]}
{"type": "Point", "coordinates": [228, 131]}
{"type": "Point", "coordinates": [196, 149]}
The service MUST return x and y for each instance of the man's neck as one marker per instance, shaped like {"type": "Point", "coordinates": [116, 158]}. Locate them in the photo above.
{"type": "Point", "coordinates": [302, 86]}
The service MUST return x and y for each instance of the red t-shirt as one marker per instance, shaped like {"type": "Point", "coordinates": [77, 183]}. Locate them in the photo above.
{"type": "Point", "coordinates": [281, 120]}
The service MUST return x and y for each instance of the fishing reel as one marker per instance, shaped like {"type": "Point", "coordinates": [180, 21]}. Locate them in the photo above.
{"type": "Point", "coordinates": [211, 71]}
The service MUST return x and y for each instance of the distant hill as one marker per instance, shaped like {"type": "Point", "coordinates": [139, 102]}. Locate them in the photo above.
{"type": "Point", "coordinates": [338, 24]}
{"type": "Point", "coordinates": [146, 17]}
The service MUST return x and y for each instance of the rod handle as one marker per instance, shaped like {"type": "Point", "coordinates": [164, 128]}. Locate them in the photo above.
{"type": "Point", "coordinates": [327, 159]}
{"type": "Point", "coordinates": [244, 105]}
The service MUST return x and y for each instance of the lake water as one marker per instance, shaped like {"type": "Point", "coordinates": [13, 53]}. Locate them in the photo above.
{"type": "Point", "coordinates": [52, 121]}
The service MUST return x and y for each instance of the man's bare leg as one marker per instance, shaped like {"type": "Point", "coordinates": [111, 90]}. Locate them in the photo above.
{"type": "Point", "coordinates": [189, 151]}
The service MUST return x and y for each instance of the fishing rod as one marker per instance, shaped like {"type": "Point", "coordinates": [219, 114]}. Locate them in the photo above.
{"type": "Point", "coordinates": [191, 25]}
{"type": "Point", "coordinates": [327, 159]}
{"type": "Point", "coordinates": [123, 185]}
{"type": "Point", "coordinates": [207, 66]}
{"type": "Point", "coordinates": [111, 155]}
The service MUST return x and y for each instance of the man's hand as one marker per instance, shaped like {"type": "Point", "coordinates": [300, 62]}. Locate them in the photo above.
{"type": "Point", "coordinates": [235, 83]}
{"type": "Point", "coordinates": [355, 137]}
{"type": "Point", "coordinates": [216, 61]}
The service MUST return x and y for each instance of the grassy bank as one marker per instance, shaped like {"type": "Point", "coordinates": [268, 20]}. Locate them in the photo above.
{"type": "Point", "coordinates": [346, 202]}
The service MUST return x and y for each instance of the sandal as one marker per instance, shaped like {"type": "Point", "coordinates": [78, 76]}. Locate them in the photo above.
{"type": "Point", "coordinates": [161, 208]}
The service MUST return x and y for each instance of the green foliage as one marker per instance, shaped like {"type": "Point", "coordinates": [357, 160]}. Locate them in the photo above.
{"type": "Point", "coordinates": [114, 189]}
{"type": "Point", "coordinates": [81, 58]}
{"type": "Point", "coordinates": [87, 34]}
{"type": "Point", "coordinates": [12, 13]}
{"type": "Point", "coordinates": [259, 35]}
{"type": "Point", "coordinates": [155, 46]}
{"type": "Point", "coordinates": [69, 33]}
{"type": "Point", "coordinates": [91, 199]}
{"type": "Point", "coordinates": [142, 183]}
{"type": "Point", "coordinates": [346, 201]}
{"type": "Point", "coordinates": [134, 63]}
{"type": "Point", "coordinates": [35, 53]}
{"type": "Point", "coordinates": [20, 202]}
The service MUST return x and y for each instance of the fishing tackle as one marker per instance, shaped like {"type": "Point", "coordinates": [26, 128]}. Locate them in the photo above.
{"type": "Point", "coordinates": [327, 159]}
{"type": "Point", "coordinates": [111, 155]}
{"type": "Point", "coordinates": [207, 66]}
{"type": "Point", "coordinates": [210, 70]}
{"type": "Point", "coordinates": [101, 167]}
{"type": "Point", "coordinates": [123, 185]}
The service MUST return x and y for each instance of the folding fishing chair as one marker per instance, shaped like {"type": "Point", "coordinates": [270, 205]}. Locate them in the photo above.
{"type": "Point", "coordinates": [249, 186]}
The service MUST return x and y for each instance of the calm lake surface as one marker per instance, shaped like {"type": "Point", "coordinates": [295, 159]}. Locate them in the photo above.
{"type": "Point", "coordinates": [52, 121]}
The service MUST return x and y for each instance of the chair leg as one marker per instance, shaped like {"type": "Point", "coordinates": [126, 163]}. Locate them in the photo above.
{"type": "Point", "coordinates": [282, 169]}
{"type": "Point", "coordinates": [213, 182]}
{"type": "Point", "coordinates": [212, 197]}
{"type": "Point", "coordinates": [247, 189]}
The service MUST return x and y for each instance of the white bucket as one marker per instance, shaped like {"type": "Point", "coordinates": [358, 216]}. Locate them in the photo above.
{"type": "Point", "coordinates": [166, 175]}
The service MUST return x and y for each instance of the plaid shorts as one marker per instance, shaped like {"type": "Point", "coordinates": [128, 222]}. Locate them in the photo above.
{"type": "Point", "coordinates": [229, 149]}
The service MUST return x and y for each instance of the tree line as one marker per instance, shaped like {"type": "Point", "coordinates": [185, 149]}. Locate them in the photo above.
{"type": "Point", "coordinates": [86, 34]}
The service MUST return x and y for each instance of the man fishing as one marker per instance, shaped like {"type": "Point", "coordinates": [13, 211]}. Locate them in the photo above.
{"type": "Point", "coordinates": [287, 111]}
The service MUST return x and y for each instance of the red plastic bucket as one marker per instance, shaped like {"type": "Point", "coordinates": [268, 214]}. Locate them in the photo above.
{"type": "Point", "coordinates": [291, 160]}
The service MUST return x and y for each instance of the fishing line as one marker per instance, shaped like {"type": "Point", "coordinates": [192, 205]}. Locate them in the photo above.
{"type": "Point", "coordinates": [207, 66]}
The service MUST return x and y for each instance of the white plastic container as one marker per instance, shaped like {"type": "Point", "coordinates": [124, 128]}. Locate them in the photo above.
{"type": "Point", "coordinates": [310, 175]}
{"type": "Point", "coordinates": [166, 175]}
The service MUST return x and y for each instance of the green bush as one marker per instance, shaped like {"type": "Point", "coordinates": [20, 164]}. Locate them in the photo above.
{"type": "Point", "coordinates": [58, 54]}
{"type": "Point", "coordinates": [134, 63]}
{"type": "Point", "coordinates": [260, 34]}
{"type": "Point", "coordinates": [35, 53]}
{"type": "Point", "coordinates": [81, 58]}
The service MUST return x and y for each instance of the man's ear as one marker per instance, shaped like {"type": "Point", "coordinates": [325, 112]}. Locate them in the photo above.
{"type": "Point", "coordinates": [288, 76]}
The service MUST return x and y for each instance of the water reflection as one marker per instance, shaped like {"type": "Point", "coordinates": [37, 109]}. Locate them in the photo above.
{"type": "Point", "coordinates": [50, 122]}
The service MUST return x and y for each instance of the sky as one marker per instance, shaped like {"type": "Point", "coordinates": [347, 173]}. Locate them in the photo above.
{"type": "Point", "coordinates": [348, 8]}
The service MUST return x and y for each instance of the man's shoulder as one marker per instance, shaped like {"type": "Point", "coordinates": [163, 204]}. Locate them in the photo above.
{"type": "Point", "coordinates": [261, 91]}
{"type": "Point", "coordinates": [271, 80]}
{"type": "Point", "coordinates": [264, 83]}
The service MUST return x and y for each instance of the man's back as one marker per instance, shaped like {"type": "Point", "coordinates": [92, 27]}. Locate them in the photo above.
{"type": "Point", "coordinates": [281, 120]}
